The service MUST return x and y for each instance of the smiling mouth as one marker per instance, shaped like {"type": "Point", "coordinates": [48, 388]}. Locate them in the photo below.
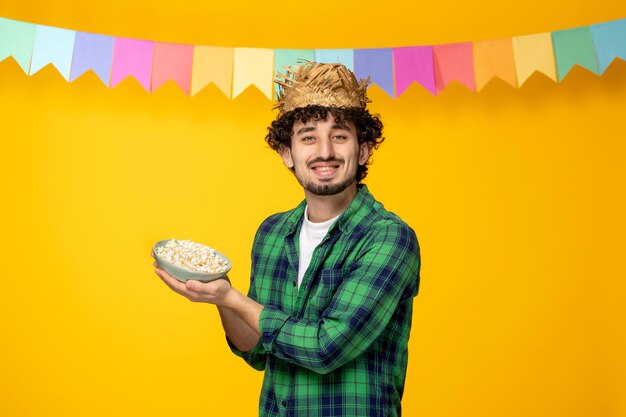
{"type": "Point", "coordinates": [325, 170]}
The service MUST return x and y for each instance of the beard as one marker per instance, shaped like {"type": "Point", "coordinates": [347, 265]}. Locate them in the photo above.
{"type": "Point", "coordinates": [327, 187]}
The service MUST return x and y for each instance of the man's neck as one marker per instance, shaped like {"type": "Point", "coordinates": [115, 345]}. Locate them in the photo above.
{"type": "Point", "coordinates": [325, 207]}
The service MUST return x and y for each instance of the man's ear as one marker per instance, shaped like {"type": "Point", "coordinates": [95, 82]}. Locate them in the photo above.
{"type": "Point", "coordinates": [364, 152]}
{"type": "Point", "coordinates": [285, 153]}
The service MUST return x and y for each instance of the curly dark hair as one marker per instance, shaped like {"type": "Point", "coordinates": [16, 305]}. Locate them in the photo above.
{"type": "Point", "coordinates": [369, 127]}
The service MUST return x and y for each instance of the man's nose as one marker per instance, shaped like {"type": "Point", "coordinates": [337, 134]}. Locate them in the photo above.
{"type": "Point", "coordinates": [326, 149]}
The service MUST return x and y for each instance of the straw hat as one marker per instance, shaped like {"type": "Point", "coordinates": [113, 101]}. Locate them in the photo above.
{"type": "Point", "coordinates": [321, 84]}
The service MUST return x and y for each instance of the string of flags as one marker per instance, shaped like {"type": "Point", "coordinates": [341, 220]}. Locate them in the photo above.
{"type": "Point", "coordinates": [233, 69]}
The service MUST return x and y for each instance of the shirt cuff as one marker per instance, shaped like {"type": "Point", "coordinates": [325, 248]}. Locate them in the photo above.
{"type": "Point", "coordinates": [257, 349]}
{"type": "Point", "coordinates": [270, 322]}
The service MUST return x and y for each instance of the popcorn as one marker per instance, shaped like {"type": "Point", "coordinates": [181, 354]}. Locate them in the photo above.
{"type": "Point", "coordinates": [192, 256]}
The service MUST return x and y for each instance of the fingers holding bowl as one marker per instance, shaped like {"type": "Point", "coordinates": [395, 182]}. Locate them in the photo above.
{"type": "Point", "coordinates": [187, 260]}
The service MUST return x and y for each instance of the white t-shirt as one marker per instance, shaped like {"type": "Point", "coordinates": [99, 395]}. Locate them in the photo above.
{"type": "Point", "coordinates": [311, 235]}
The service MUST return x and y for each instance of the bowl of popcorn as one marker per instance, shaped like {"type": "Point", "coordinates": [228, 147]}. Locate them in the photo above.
{"type": "Point", "coordinates": [185, 259]}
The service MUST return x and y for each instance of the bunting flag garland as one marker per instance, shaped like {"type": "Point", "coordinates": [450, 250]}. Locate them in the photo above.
{"type": "Point", "coordinates": [53, 46]}
{"type": "Point", "coordinates": [414, 63]}
{"type": "Point", "coordinates": [172, 61]}
{"type": "Point", "coordinates": [494, 59]}
{"type": "Point", "coordinates": [454, 62]}
{"type": "Point", "coordinates": [574, 47]}
{"type": "Point", "coordinates": [212, 64]}
{"type": "Point", "coordinates": [340, 56]}
{"type": "Point", "coordinates": [288, 57]}
{"type": "Point", "coordinates": [233, 70]}
{"type": "Point", "coordinates": [253, 66]}
{"type": "Point", "coordinates": [609, 41]}
{"type": "Point", "coordinates": [17, 40]}
{"type": "Point", "coordinates": [376, 64]}
{"type": "Point", "coordinates": [92, 52]}
{"type": "Point", "coordinates": [533, 53]}
{"type": "Point", "coordinates": [132, 57]}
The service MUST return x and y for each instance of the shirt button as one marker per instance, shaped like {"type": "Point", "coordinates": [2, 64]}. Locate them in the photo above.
{"type": "Point", "coordinates": [284, 403]}
{"type": "Point", "coordinates": [294, 283]}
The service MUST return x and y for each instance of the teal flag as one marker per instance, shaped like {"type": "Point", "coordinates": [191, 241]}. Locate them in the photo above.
{"type": "Point", "coordinates": [17, 40]}
{"type": "Point", "coordinates": [610, 42]}
{"type": "Point", "coordinates": [288, 57]}
{"type": "Point", "coordinates": [574, 47]}
{"type": "Point", "coordinates": [336, 56]}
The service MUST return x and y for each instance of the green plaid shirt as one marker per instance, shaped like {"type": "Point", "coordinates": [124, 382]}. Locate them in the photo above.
{"type": "Point", "coordinates": [337, 346]}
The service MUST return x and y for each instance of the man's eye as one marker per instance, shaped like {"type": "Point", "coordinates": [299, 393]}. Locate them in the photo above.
{"type": "Point", "coordinates": [339, 137]}
{"type": "Point", "coordinates": [308, 139]}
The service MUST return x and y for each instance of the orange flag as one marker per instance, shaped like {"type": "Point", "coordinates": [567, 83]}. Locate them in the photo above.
{"type": "Point", "coordinates": [494, 59]}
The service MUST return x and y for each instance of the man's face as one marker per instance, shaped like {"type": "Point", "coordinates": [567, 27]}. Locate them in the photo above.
{"type": "Point", "coordinates": [325, 155]}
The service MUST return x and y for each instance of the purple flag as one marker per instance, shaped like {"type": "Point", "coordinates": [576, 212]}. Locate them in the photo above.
{"type": "Point", "coordinates": [377, 64]}
{"type": "Point", "coordinates": [414, 63]}
{"type": "Point", "coordinates": [92, 52]}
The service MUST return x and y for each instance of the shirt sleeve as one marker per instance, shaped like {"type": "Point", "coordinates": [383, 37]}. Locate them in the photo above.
{"type": "Point", "coordinates": [255, 357]}
{"type": "Point", "coordinates": [365, 301]}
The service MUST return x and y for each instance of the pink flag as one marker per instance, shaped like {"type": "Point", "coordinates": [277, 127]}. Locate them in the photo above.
{"type": "Point", "coordinates": [454, 62]}
{"type": "Point", "coordinates": [132, 57]}
{"type": "Point", "coordinates": [174, 62]}
{"type": "Point", "coordinates": [414, 63]}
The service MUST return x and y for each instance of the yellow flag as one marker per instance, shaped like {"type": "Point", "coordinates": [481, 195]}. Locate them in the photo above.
{"type": "Point", "coordinates": [534, 53]}
{"type": "Point", "coordinates": [253, 66]}
{"type": "Point", "coordinates": [212, 64]}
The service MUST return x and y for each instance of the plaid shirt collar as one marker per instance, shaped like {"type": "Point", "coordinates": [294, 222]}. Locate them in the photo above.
{"type": "Point", "coordinates": [350, 219]}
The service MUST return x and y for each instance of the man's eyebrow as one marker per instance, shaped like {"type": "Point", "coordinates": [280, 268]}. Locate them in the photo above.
{"type": "Point", "coordinates": [341, 127]}
{"type": "Point", "coordinates": [305, 129]}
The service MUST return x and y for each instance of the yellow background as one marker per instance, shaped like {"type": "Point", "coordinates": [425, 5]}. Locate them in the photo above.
{"type": "Point", "coordinates": [517, 197]}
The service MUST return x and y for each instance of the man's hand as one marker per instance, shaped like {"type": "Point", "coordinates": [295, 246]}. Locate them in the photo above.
{"type": "Point", "coordinates": [240, 314]}
{"type": "Point", "coordinates": [213, 292]}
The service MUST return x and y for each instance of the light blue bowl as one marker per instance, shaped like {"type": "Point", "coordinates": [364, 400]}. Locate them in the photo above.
{"type": "Point", "coordinates": [184, 274]}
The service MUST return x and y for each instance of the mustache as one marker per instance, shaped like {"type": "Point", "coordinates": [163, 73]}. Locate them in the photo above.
{"type": "Point", "coordinates": [316, 160]}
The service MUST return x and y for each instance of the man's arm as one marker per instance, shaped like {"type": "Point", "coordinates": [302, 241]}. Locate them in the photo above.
{"type": "Point", "coordinates": [242, 336]}
{"type": "Point", "coordinates": [359, 311]}
{"type": "Point", "coordinates": [239, 314]}
{"type": "Point", "coordinates": [385, 275]}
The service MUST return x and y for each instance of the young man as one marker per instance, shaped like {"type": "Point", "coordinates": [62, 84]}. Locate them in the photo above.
{"type": "Point", "coordinates": [328, 312]}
